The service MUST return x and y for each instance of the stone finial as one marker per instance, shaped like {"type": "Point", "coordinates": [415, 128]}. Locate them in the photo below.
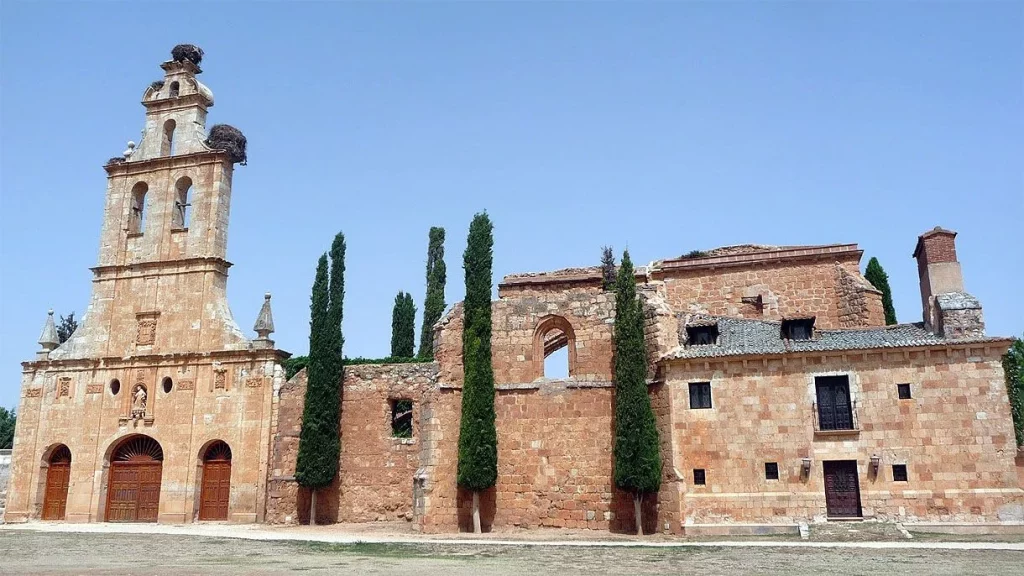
{"type": "Point", "coordinates": [130, 150]}
{"type": "Point", "coordinates": [48, 339]}
{"type": "Point", "coordinates": [265, 321]}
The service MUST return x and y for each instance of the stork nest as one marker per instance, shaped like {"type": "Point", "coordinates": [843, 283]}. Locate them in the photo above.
{"type": "Point", "coordinates": [115, 160]}
{"type": "Point", "coordinates": [190, 52]}
{"type": "Point", "coordinates": [157, 85]}
{"type": "Point", "coordinates": [229, 139]}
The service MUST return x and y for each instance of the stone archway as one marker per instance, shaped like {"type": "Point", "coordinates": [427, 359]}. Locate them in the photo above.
{"type": "Point", "coordinates": [133, 490]}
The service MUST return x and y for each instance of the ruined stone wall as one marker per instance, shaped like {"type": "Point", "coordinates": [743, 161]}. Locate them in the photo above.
{"type": "Point", "coordinates": [860, 304]}
{"type": "Point", "coordinates": [555, 441]}
{"type": "Point", "coordinates": [955, 436]}
{"type": "Point", "coordinates": [786, 288]}
{"type": "Point", "coordinates": [376, 470]}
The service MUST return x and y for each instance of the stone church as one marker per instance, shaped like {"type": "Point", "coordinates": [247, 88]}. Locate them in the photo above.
{"type": "Point", "coordinates": [781, 395]}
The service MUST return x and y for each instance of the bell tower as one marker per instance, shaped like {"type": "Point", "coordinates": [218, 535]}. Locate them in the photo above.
{"type": "Point", "coordinates": [160, 284]}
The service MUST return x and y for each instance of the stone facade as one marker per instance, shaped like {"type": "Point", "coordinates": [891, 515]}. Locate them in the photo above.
{"type": "Point", "coordinates": [555, 436]}
{"type": "Point", "coordinates": [958, 452]}
{"type": "Point", "coordinates": [157, 353]}
{"type": "Point", "coordinates": [779, 393]}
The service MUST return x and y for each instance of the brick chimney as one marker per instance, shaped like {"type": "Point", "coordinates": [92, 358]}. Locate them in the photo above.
{"type": "Point", "coordinates": [948, 310]}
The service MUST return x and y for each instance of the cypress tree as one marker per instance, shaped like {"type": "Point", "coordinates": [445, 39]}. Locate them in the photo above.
{"type": "Point", "coordinates": [880, 280]}
{"type": "Point", "coordinates": [433, 304]}
{"type": "Point", "coordinates": [403, 326]}
{"type": "Point", "coordinates": [478, 438]}
{"type": "Point", "coordinates": [607, 268]}
{"type": "Point", "coordinates": [637, 456]}
{"type": "Point", "coordinates": [319, 440]}
{"type": "Point", "coordinates": [1013, 366]}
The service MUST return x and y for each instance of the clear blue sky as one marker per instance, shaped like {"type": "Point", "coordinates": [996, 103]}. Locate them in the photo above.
{"type": "Point", "coordinates": [661, 127]}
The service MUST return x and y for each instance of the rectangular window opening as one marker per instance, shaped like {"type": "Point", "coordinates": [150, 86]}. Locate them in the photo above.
{"type": "Point", "coordinates": [401, 418]}
{"type": "Point", "coordinates": [700, 395]}
{"type": "Point", "coordinates": [702, 335]}
{"type": "Point", "coordinates": [904, 391]}
{"type": "Point", "coordinates": [771, 470]}
{"type": "Point", "coordinates": [899, 473]}
{"type": "Point", "coordinates": [798, 329]}
{"type": "Point", "coordinates": [835, 409]}
{"type": "Point", "coordinates": [699, 478]}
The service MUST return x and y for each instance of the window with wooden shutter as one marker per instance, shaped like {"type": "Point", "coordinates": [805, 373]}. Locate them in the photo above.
{"type": "Point", "coordinates": [835, 410]}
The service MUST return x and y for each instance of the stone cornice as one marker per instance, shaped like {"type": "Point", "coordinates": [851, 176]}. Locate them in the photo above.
{"type": "Point", "coordinates": [790, 254]}
{"type": "Point", "coordinates": [193, 100]}
{"type": "Point", "coordinates": [194, 159]}
{"type": "Point", "coordinates": [208, 263]}
{"type": "Point", "coordinates": [172, 358]}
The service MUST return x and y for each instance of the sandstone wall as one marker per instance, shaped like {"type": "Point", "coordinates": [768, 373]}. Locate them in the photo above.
{"type": "Point", "coordinates": [555, 462]}
{"type": "Point", "coordinates": [955, 436]}
{"type": "Point", "coordinates": [786, 288]}
{"type": "Point", "coordinates": [212, 397]}
{"type": "Point", "coordinates": [376, 470]}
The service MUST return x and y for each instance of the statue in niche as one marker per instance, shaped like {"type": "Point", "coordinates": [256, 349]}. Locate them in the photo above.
{"type": "Point", "coordinates": [139, 402]}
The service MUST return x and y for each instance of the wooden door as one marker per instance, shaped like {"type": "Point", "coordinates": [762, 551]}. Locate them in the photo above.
{"type": "Point", "coordinates": [216, 490]}
{"type": "Point", "coordinates": [55, 499]}
{"type": "Point", "coordinates": [134, 491]}
{"type": "Point", "coordinates": [842, 489]}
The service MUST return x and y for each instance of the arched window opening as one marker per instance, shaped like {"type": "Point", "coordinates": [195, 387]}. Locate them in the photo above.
{"type": "Point", "coordinates": [215, 492]}
{"type": "Point", "coordinates": [137, 217]}
{"type": "Point", "coordinates": [218, 451]}
{"type": "Point", "coordinates": [174, 90]}
{"type": "Point", "coordinates": [182, 204]}
{"type": "Point", "coordinates": [554, 348]}
{"type": "Point", "coordinates": [556, 359]}
{"type": "Point", "coordinates": [167, 144]}
{"type": "Point", "coordinates": [167, 384]}
{"type": "Point", "coordinates": [58, 475]}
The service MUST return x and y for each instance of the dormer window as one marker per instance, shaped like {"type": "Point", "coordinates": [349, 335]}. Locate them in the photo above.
{"type": "Point", "coordinates": [702, 335]}
{"type": "Point", "coordinates": [798, 329]}
{"type": "Point", "coordinates": [174, 90]}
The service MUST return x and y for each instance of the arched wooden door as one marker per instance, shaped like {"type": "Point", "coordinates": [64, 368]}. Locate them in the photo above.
{"type": "Point", "coordinates": [58, 473]}
{"type": "Point", "coordinates": [216, 490]}
{"type": "Point", "coordinates": [133, 493]}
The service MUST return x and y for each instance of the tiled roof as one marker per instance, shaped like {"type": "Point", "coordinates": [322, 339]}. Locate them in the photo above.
{"type": "Point", "coordinates": [739, 337]}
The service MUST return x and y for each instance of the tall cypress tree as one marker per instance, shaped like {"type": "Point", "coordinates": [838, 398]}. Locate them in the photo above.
{"type": "Point", "coordinates": [607, 268]}
{"type": "Point", "coordinates": [478, 437]}
{"type": "Point", "coordinates": [319, 440]}
{"type": "Point", "coordinates": [403, 326]}
{"type": "Point", "coordinates": [880, 280]}
{"type": "Point", "coordinates": [637, 456]}
{"type": "Point", "coordinates": [433, 304]}
{"type": "Point", "coordinates": [1013, 366]}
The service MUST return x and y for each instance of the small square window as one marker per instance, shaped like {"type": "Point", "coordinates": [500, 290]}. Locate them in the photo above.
{"type": "Point", "coordinates": [899, 472]}
{"type": "Point", "coordinates": [798, 329]}
{"type": "Point", "coordinates": [771, 470]}
{"type": "Point", "coordinates": [700, 395]}
{"type": "Point", "coordinates": [904, 391]}
{"type": "Point", "coordinates": [702, 335]}
{"type": "Point", "coordinates": [698, 477]}
{"type": "Point", "coordinates": [401, 418]}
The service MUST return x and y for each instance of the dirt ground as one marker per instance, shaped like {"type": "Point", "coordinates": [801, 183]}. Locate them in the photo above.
{"type": "Point", "coordinates": [33, 552]}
